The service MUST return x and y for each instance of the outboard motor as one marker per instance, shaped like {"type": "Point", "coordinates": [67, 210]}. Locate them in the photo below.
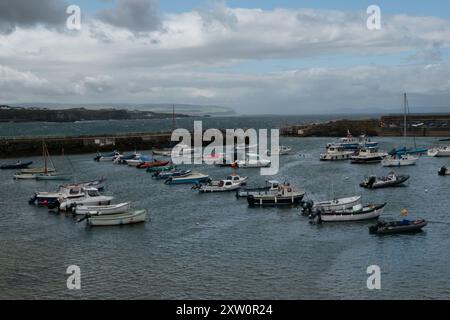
{"type": "Point", "coordinates": [371, 181]}
{"type": "Point", "coordinates": [443, 171]}
{"type": "Point", "coordinates": [307, 206]}
{"type": "Point", "coordinates": [53, 205]}
{"type": "Point", "coordinates": [32, 199]}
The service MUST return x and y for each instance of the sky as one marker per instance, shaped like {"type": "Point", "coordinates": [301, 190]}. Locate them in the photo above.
{"type": "Point", "coordinates": [265, 56]}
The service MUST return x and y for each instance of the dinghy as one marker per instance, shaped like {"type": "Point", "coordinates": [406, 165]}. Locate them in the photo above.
{"type": "Point", "coordinates": [131, 217]}
{"type": "Point", "coordinates": [17, 165]}
{"type": "Point", "coordinates": [271, 186]}
{"type": "Point", "coordinates": [192, 178]}
{"type": "Point", "coordinates": [439, 152]}
{"type": "Point", "coordinates": [337, 204]}
{"type": "Point", "coordinates": [102, 210]}
{"type": "Point", "coordinates": [166, 152]}
{"type": "Point", "coordinates": [444, 171]}
{"type": "Point", "coordinates": [25, 176]}
{"type": "Point", "coordinates": [107, 157]}
{"type": "Point", "coordinates": [138, 161]}
{"type": "Point", "coordinates": [399, 161]}
{"type": "Point", "coordinates": [173, 173]}
{"type": "Point", "coordinates": [152, 164]}
{"type": "Point", "coordinates": [357, 213]}
{"type": "Point", "coordinates": [252, 161]}
{"type": "Point", "coordinates": [285, 196]}
{"type": "Point", "coordinates": [159, 169]}
{"type": "Point", "coordinates": [281, 151]}
{"type": "Point", "coordinates": [391, 180]}
{"type": "Point", "coordinates": [122, 159]}
{"type": "Point", "coordinates": [394, 227]}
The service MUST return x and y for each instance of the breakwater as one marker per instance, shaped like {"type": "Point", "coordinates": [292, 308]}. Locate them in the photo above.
{"type": "Point", "coordinates": [32, 146]}
{"type": "Point", "coordinates": [386, 126]}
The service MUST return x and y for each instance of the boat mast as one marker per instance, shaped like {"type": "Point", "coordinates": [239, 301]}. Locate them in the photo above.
{"type": "Point", "coordinates": [405, 101]}
{"type": "Point", "coordinates": [45, 156]}
{"type": "Point", "coordinates": [173, 117]}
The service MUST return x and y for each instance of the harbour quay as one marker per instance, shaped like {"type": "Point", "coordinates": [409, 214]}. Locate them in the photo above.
{"type": "Point", "coordinates": [418, 125]}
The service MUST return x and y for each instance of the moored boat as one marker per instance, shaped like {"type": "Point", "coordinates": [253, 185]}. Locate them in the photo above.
{"type": "Point", "coordinates": [17, 165]}
{"type": "Point", "coordinates": [252, 161]}
{"type": "Point", "coordinates": [357, 213]}
{"type": "Point", "coordinates": [102, 210]}
{"type": "Point", "coordinates": [166, 152]}
{"type": "Point", "coordinates": [37, 170]}
{"type": "Point", "coordinates": [131, 217]}
{"type": "Point", "coordinates": [336, 153]}
{"type": "Point", "coordinates": [231, 183]}
{"type": "Point", "coordinates": [152, 164]}
{"type": "Point", "coordinates": [391, 180]}
{"type": "Point", "coordinates": [107, 157]}
{"type": "Point", "coordinates": [337, 204]}
{"type": "Point", "coordinates": [24, 176]}
{"type": "Point", "coordinates": [395, 227]}
{"type": "Point", "coordinates": [399, 160]}
{"type": "Point", "coordinates": [53, 176]}
{"type": "Point", "coordinates": [439, 152]}
{"type": "Point", "coordinates": [270, 186]}
{"type": "Point", "coordinates": [91, 197]}
{"type": "Point", "coordinates": [160, 169]}
{"type": "Point", "coordinates": [192, 178]}
{"type": "Point", "coordinates": [163, 175]}
{"type": "Point", "coordinates": [367, 156]}
{"type": "Point", "coordinates": [285, 196]}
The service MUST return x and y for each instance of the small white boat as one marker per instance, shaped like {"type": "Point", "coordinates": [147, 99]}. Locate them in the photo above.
{"type": "Point", "coordinates": [252, 161]}
{"type": "Point", "coordinates": [91, 198]}
{"type": "Point", "coordinates": [357, 213]}
{"type": "Point", "coordinates": [338, 204]}
{"type": "Point", "coordinates": [37, 170]}
{"type": "Point", "coordinates": [403, 160]}
{"type": "Point", "coordinates": [282, 150]}
{"type": "Point", "coordinates": [103, 210]}
{"type": "Point", "coordinates": [64, 192]}
{"type": "Point", "coordinates": [166, 152]}
{"type": "Point", "coordinates": [336, 153]}
{"type": "Point", "coordinates": [271, 186]}
{"type": "Point", "coordinates": [219, 186]}
{"type": "Point", "coordinates": [440, 152]}
{"type": "Point", "coordinates": [285, 196]}
{"type": "Point", "coordinates": [107, 157]}
{"type": "Point", "coordinates": [25, 176]}
{"type": "Point", "coordinates": [136, 216]}
{"type": "Point", "coordinates": [368, 155]}
{"type": "Point", "coordinates": [192, 178]}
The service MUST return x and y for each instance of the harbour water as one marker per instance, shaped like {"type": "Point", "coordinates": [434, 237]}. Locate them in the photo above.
{"type": "Point", "coordinates": [213, 246]}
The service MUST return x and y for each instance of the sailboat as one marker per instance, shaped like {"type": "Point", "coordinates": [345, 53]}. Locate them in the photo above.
{"type": "Point", "coordinates": [50, 175]}
{"type": "Point", "coordinates": [403, 156]}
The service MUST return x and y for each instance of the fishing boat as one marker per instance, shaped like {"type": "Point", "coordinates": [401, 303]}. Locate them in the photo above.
{"type": "Point", "coordinates": [405, 150]}
{"type": "Point", "coordinates": [440, 152]}
{"type": "Point", "coordinates": [102, 210]}
{"type": "Point", "coordinates": [63, 192]}
{"type": "Point", "coordinates": [107, 157]}
{"type": "Point", "coordinates": [166, 152]}
{"type": "Point", "coordinates": [336, 153]}
{"type": "Point", "coordinates": [159, 169]}
{"type": "Point", "coordinates": [357, 213]}
{"type": "Point", "coordinates": [218, 186]}
{"type": "Point", "coordinates": [337, 204]}
{"type": "Point", "coordinates": [137, 216]}
{"type": "Point", "coordinates": [368, 156]}
{"type": "Point", "coordinates": [17, 165]}
{"type": "Point", "coordinates": [399, 160]}
{"type": "Point", "coordinates": [391, 180]}
{"type": "Point", "coordinates": [152, 164]}
{"type": "Point", "coordinates": [138, 161]}
{"type": "Point", "coordinates": [351, 143]}
{"type": "Point", "coordinates": [91, 198]}
{"type": "Point", "coordinates": [395, 227]}
{"type": "Point", "coordinates": [444, 171]}
{"type": "Point", "coordinates": [230, 183]}
{"type": "Point", "coordinates": [285, 196]}
{"type": "Point", "coordinates": [270, 186]}
{"type": "Point", "coordinates": [192, 178]}
{"type": "Point", "coordinates": [252, 161]}
{"type": "Point", "coordinates": [97, 184]}
{"type": "Point", "coordinates": [164, 175]}
{"type": "Point", "coordinates": [122, 159]}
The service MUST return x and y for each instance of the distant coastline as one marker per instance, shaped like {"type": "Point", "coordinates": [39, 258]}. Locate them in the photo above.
{"type": "Point", "coordinates": [35, 114]}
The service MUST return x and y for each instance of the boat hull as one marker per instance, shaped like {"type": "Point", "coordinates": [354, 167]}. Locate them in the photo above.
{"type": "Point", "coordinates": [103, 210]}
{"type": "Point", "coordinates": [268, 200]}
{"type": "Point", "coordinates": [16, 166]}
{"type": "Point", "coordinates": [365, 214]}
{"type": "Point", "coordinates": [138, 216]}
{"type": "Point", "coordinates": [338, 204]}
{"type": "Point", "coordinates": [385, 184]}
{"type": "Point", "coordinates": [398, 228]}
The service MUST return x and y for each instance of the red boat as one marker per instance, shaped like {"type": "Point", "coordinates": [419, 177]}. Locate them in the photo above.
{"type": "Point", "coordinates": [152, 164]}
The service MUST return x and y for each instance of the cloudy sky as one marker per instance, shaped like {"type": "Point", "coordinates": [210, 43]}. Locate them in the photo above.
{"type": "Point", "coordinates": [282, 57]}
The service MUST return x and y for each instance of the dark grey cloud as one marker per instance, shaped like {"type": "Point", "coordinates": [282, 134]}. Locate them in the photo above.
{"type": "Point", "coordinates": [134, 15]}
{"type": "Point", "coordinates": [26, 13]}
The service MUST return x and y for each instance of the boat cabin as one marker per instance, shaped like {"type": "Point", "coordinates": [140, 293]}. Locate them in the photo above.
{"type": "Point", "coordinates": [92, 192]}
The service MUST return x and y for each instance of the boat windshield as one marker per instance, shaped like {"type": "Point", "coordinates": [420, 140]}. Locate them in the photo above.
{"type": "Point", "coordinates": [93, 193]}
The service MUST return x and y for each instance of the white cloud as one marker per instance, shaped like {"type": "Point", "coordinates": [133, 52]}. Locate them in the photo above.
{"type": "Point", "coordinates": [179, 61]}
